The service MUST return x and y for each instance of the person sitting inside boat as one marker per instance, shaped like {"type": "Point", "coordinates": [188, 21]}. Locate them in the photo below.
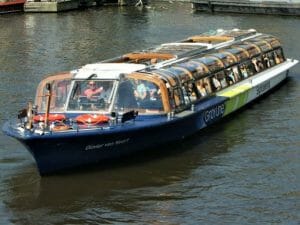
{"type": "Point", "coordinates": [140, 91]}
{"type": "Point", "coordinates": [244, 71]}
{"type": "Point", "coordinates": [230, 76]}
{"type": "Point", "coordinates": [216, 83]}
{"type": "Point", "coordinates": [152, 89]}
{"type": "Point", "coordinates": [202, 89]}
{"type": "Point", "coordinates": [92, 90]}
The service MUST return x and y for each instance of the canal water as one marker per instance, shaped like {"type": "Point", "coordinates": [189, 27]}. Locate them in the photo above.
{"type": "Point", "coordinates": [244, 170]}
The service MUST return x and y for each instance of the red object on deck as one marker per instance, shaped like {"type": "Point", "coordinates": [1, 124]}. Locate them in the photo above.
{"type": "Point", "coordinates": [12, 6]}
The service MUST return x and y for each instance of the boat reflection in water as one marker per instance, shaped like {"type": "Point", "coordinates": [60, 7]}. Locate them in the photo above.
{"type": "Point", "coordinates": [113, 108]}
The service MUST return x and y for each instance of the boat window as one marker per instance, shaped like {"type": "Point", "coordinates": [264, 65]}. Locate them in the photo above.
{"type": "Point", "coordinates": [252, 49]}
{"type": "Point", "coordinates": [247, 69]}
{"type": "Point", "coordinates": [91, 95]}
{"type": "Point", "coordinates": [269, 59]}
{"type": "Point", "coordinates": [257, 65]}
{"type": "Point", "coordinates": [59, 93]}
{"type": "Point", "coordinates": [216, 84]}
{"type": "Point", "coordinates": [239, 53]}
{"type": "Point", "coordinates": [229, 76]}
{"type": "Point", "coordinates": [179, 99]}
{"type": "Point", "coordinates": [191, 92]}
{"type": "Point", "coordinates": [274, 43]}
{"type": "Point", "coordinates": [203, 86]}
{"type": "Point", "coordinates": [236, 73]}
{"type": "Point", "coordinates": [200, 71]}
{"type": "Point", "coordinates": [221, 76]}
{"type": "Point", "coordinates": [141, 95]}
{"type": "Point", "coordinates": [278, 55]}
{"type": "Point", "coordinates": [190, 66]}
{"type": "Point", "coordinates": [186, 94]}
{"type": "Point", "coordinates": [227, 58]}
{"type": "Point", "coordinates": [212, 63]}
{"type": "Point", "coordinates": [263, 45]}
{"type": "Point", "coordinates": [181, 73]}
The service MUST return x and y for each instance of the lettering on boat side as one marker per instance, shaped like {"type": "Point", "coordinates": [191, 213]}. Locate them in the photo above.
{"type": "Point", "coordinates": [212, 114]}
{"type": "Point", "coordinates": [106, 145]}
{"type": "Point", "coordinates": [262, 88]}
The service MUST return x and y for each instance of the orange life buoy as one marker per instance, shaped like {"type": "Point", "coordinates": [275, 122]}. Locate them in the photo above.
{"type": "Point", "coordinates": [51, 117]}
{"type": "Point", "coordinates": [60, 127]}
{"type": "Point", "coordinates": [92, 119]}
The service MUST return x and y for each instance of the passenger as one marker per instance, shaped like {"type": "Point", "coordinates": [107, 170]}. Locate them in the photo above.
{"type": "Point", "coordinates": [202, 89]}
{"type": "Point", "coordinates": [216, 83]}
{"type": "Point", "coordinates": [152, 90]}
{"type": "Point", "coordinates": [255, 64]}
{"type": "Point", "coordinates": [236, 73]}
{"type": "Point", "coordinates": [266, 61]}
{"type": "Point", "coordinates": [92, 90]}
{"type": "Point", "coordinates": [260, 65]}
{"type": "Point", "coordinates": [271, 59]}
{"type": "Point", "coordinates": [125, 96]}
{"type": "Point", "coordinates": [230, 77]}
{"type": "Point", "coordinates": [192, 91]}
{"type": "Point", "coordinates": [140, 91]}
{"type": "Point", "coordinates": [207, 85]}
{"type": "Point", "coordinates": [244, 72]}
{"type": "Point", "coordinates": [277, 58]}
{"type": "Point", "coordinates": [222, 80]}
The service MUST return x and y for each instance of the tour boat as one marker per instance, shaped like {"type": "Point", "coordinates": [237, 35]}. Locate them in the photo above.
{"type": "Point", "coordinates": [140, 100]}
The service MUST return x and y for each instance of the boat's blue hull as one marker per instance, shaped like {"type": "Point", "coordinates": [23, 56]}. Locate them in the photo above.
{"type": "Point", "coordinates": [61, 150]}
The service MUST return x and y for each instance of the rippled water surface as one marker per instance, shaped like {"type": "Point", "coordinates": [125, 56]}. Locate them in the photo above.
{"type": "Point", "coordinates": [244, 170]}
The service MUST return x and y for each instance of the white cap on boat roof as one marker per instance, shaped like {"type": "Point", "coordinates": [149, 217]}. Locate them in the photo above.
{"type": "Point", "coordinates": [106, 70]}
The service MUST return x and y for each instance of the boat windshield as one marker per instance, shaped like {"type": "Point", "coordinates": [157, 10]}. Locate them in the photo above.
{"type": "Point", "coordinates": [60, 85]}
{"type": "Point", "coordinates": [91, 95]}
{"type": "Point", "coordinates": [138, 94]}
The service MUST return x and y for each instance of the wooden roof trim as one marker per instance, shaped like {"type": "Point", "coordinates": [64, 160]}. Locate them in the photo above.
{"type": "Point", "coordinates": [148, 55]}
{"type": "Point", "coordinates": [208, 39]}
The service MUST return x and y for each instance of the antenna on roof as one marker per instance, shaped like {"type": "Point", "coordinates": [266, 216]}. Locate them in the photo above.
{"type": "Point", "coordinates": [91, 76]}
